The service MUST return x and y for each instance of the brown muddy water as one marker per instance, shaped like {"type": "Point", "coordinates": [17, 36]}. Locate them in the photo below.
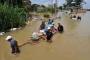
{"type": "Point", "coordinates": [73, 44]}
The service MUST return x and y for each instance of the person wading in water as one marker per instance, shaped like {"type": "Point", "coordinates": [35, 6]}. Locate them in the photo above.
{"type": "Point", "coordinates": [49, 35]}
{"type": "Point", "coordinates": [13, 44]}
{"type": "Point", "coordinates": [60, 28]}
{"type": "Point", "coordinates": [42, 26]}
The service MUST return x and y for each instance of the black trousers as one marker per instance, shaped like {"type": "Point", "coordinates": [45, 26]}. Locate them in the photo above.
{"type": "Point", "coordinates": [15, 49]}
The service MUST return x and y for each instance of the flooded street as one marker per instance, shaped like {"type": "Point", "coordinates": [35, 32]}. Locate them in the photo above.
{"type": "Point", "coordinates": [73, 44]}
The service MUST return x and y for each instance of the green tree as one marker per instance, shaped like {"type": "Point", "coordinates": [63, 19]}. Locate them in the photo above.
{"type": "Point", "coordinates": [12, 2]}
{"type": "Point", "coordinates": [76, 3]}
{"type": "Point", "coordinates": [34, 7]}
{"type": "Point", "coordinates": [60, 7]}
{"type": "Point", "coordinates": [11, 17]}
{"type": "Point", "coordinates": [69, 2]}
{"type": "Point", "coordinates": [27, 5]}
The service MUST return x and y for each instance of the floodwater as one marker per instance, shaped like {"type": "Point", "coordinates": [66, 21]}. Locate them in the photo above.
{"type": "Point", "coordinates": [73, 44]}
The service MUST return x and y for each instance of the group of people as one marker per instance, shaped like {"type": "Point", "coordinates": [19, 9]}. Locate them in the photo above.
{"type": "Point", "coordinates": [46, 32]}
{"type": "Point", "coordinates": [75, 17]}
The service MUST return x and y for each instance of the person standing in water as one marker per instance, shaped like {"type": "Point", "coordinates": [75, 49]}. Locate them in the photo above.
{"type": "Point", "coordinates": [42, 26]}
{"type": "Point", "coordinates": [13, 44]}
{"type": "Point", "coordinates": [60, 28]}
{"type": "Point", "coordinates": [50, 21]}
{"type": "Point", "coordinates": [49, 35]}
{"type": "Point", "coordinates": [79, 18]}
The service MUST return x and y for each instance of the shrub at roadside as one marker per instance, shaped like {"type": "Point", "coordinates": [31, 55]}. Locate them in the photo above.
{"type": "Point", "coordinates": [11, 17]}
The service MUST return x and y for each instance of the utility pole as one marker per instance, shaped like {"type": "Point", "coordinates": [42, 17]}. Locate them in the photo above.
{"type": "Point", "coordinates": [55, 6]}
{"type": "Point", "coordinates": [52, 6]}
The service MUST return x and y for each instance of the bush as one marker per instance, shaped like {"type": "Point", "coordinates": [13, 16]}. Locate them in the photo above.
{"type": "Point", "coordinates": [11, 17]}
{"type": "Point", "coordinates": [46, 15]}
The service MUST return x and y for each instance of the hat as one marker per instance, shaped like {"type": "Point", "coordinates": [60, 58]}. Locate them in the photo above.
{"type": "Point", "coordinates": [8, 37]}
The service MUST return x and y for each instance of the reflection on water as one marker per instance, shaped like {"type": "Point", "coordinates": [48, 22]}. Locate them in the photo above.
{"type": "Point", "coordinates": [73, 44]}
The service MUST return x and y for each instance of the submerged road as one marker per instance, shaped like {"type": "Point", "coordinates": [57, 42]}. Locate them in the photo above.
{"type": "Point", "coordinates": [73, 44]}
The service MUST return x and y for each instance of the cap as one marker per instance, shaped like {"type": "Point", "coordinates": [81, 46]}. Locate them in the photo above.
{"type": "Point", "coordinates": [8, 37]}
